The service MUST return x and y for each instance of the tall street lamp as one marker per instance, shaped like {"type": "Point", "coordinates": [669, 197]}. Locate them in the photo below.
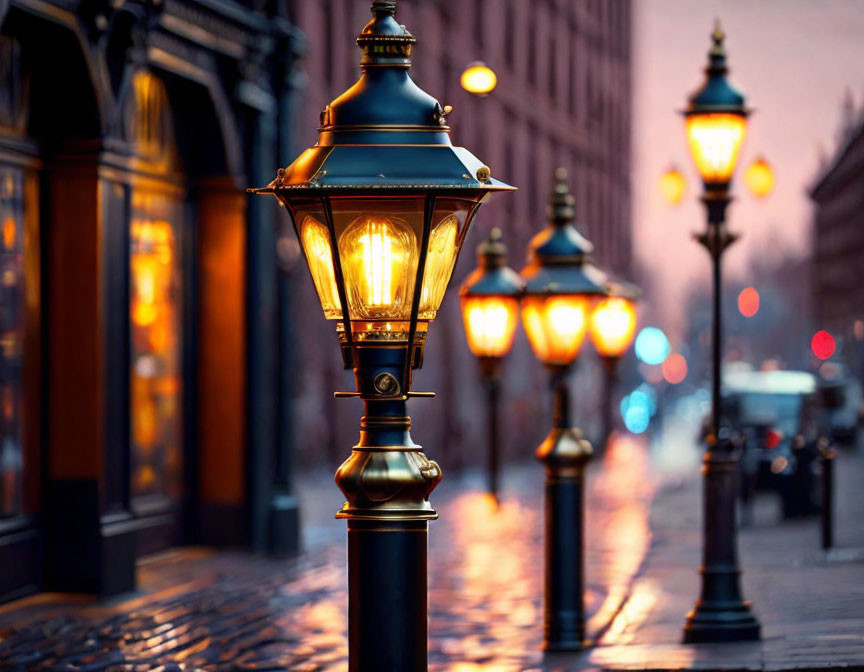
{"type": "Point", "coordinates": [612, 329]}
{"type": "Point", "coordinates": [490, 312]}
{"type": "Point", "coordinates": [716, 121]}
{"type": "Point", "coordinates": [381, 205]}
{"type": "Point", "coordinates": [561, 289]}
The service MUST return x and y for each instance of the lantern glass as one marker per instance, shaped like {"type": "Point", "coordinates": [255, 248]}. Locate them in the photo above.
{"type": "Point", "coordinates": [445, 239]}
{"type": "Point", "coordinates": [715, 139]}
{"type": "Point", "coordinates": [556, 326]}
{"type": "Point", "coordinates": [613, 325]}
{"type": "Point", "coordinates": [315, 239]}
{"type": "Point", "coordinates": [490, 324]}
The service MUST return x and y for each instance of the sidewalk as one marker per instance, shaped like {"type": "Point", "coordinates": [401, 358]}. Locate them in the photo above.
{"type": "Point", "coordinates": [810, 603]}
{"type": "Point", "coordinates": [231, 612]}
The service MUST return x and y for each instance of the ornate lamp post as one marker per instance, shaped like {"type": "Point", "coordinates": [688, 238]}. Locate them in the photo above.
{"type": "Point", "coordinates": [490, 312]}
{"type": "Point", "coordinates": [381, 206]}
{"type": "Point", "coordinates": [716, 121]}
{"type": "Point", "coordinates": [612, 328]}
{"type": "Point", "coordinates": [561, 289]}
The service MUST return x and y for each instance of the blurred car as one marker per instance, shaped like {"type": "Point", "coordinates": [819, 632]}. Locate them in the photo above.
{"type": "Point", "coordinates": [778, 415]}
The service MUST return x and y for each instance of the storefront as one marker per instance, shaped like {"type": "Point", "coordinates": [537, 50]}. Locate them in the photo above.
{"type": "Point", "coordinates": [140, 387]}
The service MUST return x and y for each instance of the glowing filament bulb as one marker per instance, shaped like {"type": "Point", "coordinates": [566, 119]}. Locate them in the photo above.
{"type": "Point", "coordinates": [714, 143]}
{"type": "Point", "coordinates": [379, 261]}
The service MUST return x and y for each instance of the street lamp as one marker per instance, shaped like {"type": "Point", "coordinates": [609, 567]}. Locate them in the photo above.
{"type": "Point", "coordinates": [759, 177]}
{"type": "Point", "coordinates": [716, 121]}
{"type": "Point", "coordinates": [612, 329]}
{"type": "Point", "coordinates": [478, 79]}
{"type": "Point", "coordinates": [561, 289]}
{"type": "Point", "coordinates": [381, 205]}
{"type": "Point", "coordinates": [490, 312]}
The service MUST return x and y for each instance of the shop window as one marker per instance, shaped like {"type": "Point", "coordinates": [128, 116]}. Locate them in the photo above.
{"type": "Point", "coordinates": [12, 317]}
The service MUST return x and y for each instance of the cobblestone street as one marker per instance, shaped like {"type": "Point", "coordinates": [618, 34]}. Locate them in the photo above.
{"type": "Point", "coordinates": [220, 611]}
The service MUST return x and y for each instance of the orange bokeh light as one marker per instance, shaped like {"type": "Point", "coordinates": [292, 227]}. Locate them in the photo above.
{"type": "Point", "coordinates": [674, 368]}
{"type": "Point", "coordinates": [748, 302]}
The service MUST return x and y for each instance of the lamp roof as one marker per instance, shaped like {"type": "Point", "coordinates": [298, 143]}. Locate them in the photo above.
{"type": "Point", "coordinates": [717, 94]}
{"type": "Point", "coordinates": [559, 257]}
{"type": "Point", "coordinates": [385, 132]}
{"type": "Point", "coordinates": [492, 277]}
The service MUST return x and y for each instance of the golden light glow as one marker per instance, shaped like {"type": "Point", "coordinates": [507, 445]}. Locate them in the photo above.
{"type": "Point", "coordinates": [613, 326]}
{"type": "Point", "coordinates": [715, 140]}
{"type": "Point", "coordinates": [379, 261]}
{"type": "Point", "coordinates": [156, 343]}
{"type": "Point", "coordinates": [440, 258]}
{"type": "Point", "coordinates": [479, 79]}
{"type": "Point", "coordinates": [316, 244]}
{"type": "Point", "coordinates": [673, 185]}
{"type": "Point", "coordinates": [490, 324]}
{"type": "Point", "coordinates": [556, 326]}
{"type": "Point", "coordinates": [10, 227]}
{"type": "Point", "coordinates": [759, 177]}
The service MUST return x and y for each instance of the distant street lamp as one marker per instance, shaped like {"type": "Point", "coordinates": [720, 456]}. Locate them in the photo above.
{"type": "Point", "coordinates": [759, 177]}
{"type": "Point", "coordinates": [381, 206]}
{"type": "Point", "coordinates": [673, 184]}
{"type": "Point", "coordinates": [561, 289]}
{"type": "Point", "coordinates": [478, 79]}
{"type": "Point", "coordinates": [716, 121]}
{"type": "Point", "coordinates": [613, 328]}
{"type": "Point", "coordinates": [490, 312]}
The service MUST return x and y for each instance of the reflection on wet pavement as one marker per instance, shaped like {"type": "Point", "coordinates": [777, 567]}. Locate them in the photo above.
{"type": "Point", "coordinates": [224, 611]}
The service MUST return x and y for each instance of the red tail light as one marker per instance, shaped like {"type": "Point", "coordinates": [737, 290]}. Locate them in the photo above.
{"type": "Point", "coordinates": [773, 438]}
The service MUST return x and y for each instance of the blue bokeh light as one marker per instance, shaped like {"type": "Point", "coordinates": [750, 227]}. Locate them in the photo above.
{"type": "Point", "coordinates": [652, 346]}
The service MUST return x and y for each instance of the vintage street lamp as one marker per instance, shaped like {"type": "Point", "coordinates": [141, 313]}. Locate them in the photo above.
{"type": "Point", "coordinates": [716, 120]}
{"type": "Point", "coordinates": [612, 329]}
{"type": "Point", "coordinates": [381, 206]}
{"type": "Point", "coordinates": [490, 312]}
{"type": "Point", "coordinates": [561, 289]}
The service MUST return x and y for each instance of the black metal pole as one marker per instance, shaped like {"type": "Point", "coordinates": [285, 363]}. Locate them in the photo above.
{"type": "Point", "coordinates": [828, 454]}
{"type": "Point", "coordinates": [720, 614]}
{"type": "Point", "coordinates": [610, 376]}
{"type": "Point", "coordinates": [564, 454]}
{"type": "Point", "coordinates": [489, 370]}
{"type": "Point", "coordinates": [387, 595]}
{"type": "Point", "coordinates": [387, 482]}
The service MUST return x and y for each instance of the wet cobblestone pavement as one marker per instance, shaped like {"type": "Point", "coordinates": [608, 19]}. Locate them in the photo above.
{"type": "Point", "coordinates": [222, 611]}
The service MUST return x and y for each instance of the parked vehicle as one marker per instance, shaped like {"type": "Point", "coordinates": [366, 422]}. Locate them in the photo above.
{"type": "Point", "coordinates": [778, 415]}
{"type": "Point", "coordinates": [842, 406]}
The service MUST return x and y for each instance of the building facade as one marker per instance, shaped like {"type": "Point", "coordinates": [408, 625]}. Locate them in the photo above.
{"type": "Point", "coordinates": [142, 373]}
{"type": "Point", "coordinates": [563, 99]}
{"type": "Point", "coordinates": [838, 245]}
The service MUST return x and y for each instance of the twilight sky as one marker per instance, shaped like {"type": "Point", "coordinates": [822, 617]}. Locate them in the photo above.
{"type": "Point", "coordinates": [794, 60]}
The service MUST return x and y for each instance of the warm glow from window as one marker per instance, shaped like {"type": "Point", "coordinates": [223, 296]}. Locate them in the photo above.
{"type": "Point", "coordinates": [613, 326]}
{"type": "Point", "coordinates": [760, 178]}
{"type": "Point", "coordinates": [316, 244]}
{"type": "Point", "coordinates": [440, 258]}
{"type": "Point", "coordinates": [556, 326]}
{"type": "Point", "coordinates": [715, 140]}
{"type": "Point", "coordinates": [479, 79]}
{"type": "Point", "coordinates": [379, 261]}
{"type": "Point", "coordinates": [490, 324]}
{"type": "Point", "coordinates": [673, 185]}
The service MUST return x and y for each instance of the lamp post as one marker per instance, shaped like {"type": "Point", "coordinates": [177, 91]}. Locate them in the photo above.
{"type": "Point", "coordinates": [716, 121]}
{"type": "Point", "coordinates": [490, 313]}
{"type": "Point", "coordinates": [561, 289]}
{"type": "Point", "coordinates": [612, 329]}
{"type": "Point", "coordinates": [381, 205]}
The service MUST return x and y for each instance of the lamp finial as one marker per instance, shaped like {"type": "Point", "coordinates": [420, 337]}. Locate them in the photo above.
{"type": "Point", "coordinates": [561, 210]}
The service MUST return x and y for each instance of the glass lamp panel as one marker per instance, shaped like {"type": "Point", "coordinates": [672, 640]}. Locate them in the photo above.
{"type": "Point", "coordinates": [490, 324]}
{"type": "Point", "coordinates": [613, 325]}
{"type": "Point", "coordinates": [379, 249]}
{"type": "Point", "coordinates": [445, 239]}
{"type": "Point", "coordinates": [315, 241]}
{"type": "Point", "coordinates": [556, 326]}
{"type": "Point", "coordinates": [715, 140]}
